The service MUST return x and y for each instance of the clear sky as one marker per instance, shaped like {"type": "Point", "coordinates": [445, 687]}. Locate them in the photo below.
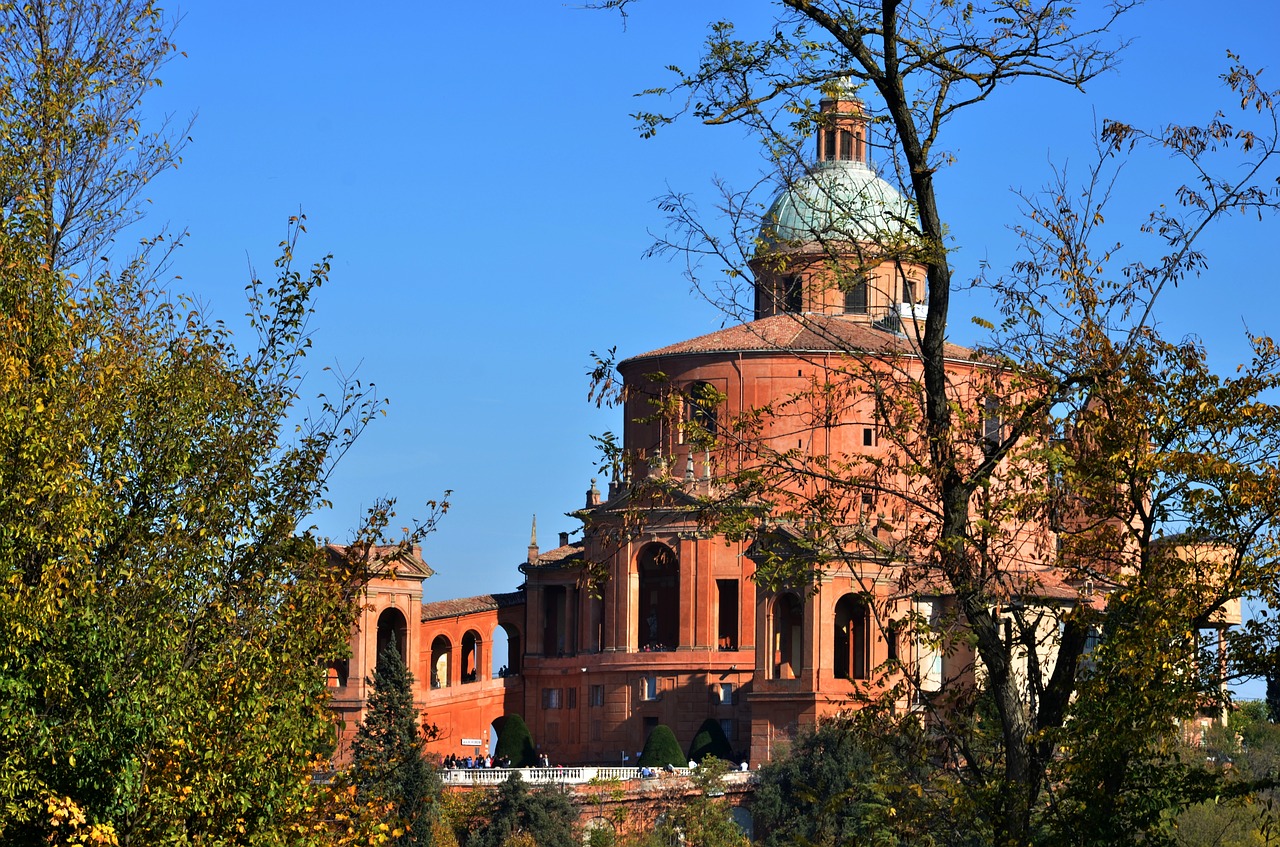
{"type": "Point", "coordinates": [475, 173]}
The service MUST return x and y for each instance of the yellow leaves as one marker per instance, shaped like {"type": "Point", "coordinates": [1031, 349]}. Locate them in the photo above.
{"type": "Point", "coordinates": [68, 820]}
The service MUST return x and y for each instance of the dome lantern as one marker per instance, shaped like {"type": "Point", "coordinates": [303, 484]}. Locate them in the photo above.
{"type": "Point", "coordinates": [837, 239]}
{"type": "Point", "coordinates": [842, 122]}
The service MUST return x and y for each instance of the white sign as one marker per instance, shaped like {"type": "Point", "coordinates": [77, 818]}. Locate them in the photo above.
{"type": "Point", "coordinates": [471, 742]}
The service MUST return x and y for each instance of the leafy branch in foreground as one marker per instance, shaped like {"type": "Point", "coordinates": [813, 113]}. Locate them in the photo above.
{"type": "Point", "coordinates": [1079, 503]}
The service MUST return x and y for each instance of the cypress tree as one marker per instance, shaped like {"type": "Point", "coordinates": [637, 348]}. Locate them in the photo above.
{"type": "Point", "coordinates": [661, 748]}
{"type": "Point", "coordinates": [387, 759]}
{"type": "Point", "coordinates": [710, 741]}
{"type": "Point", "coordinates": [515, 742]}
{"type": "Point", "coordinates": [1273, 694]}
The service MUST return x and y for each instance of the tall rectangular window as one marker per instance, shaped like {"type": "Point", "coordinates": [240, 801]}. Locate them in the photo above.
{"type": "Point", "coordinates": [649, 687]}
{"type": "Point", "coordinates": [991, 423]}
{"type": "Point", "coordinates": [725, 693]}
{"type": "Point", "coordinates": [555, 632]}
{"type": "Point", "coordinates": [793, 294]}
{"type": "Point", "coordinates": [596, 695]}
{"type": "Point", "coordinates": [846, 146]}
{"type": "Point", "coordinates": [855, 298]}
{"type": "Point", "coordinates": [552, 698]}
{"type": "Point", "coordinates": [727, 614]}
{"type": "Point", "coordinates": [828, 145]}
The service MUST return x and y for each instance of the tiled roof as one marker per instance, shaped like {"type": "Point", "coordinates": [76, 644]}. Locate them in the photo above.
{"type": "Point", "coordinates": [470, 605]}
{"type": "Point", "coordinates": [1039, 583]}
{"type": "Point", "coordinates": [808, 333]}
{"type": "Point", "coordinates": [566, 556]}
{"type": "Point", "coordinates": [386, 557]}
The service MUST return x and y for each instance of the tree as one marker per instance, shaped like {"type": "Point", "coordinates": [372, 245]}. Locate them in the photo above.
{"type": "Point", "coordinates": [75, 156]}
{"type": "Point", "coordinates": [860, 778]}
{"type": "Point", "coordinates": [710, 740]}
{"type": "Point", "coordinates": [661, 749]}
{"type": "Point", "coordinates": [165, 624]}
{"type": "Point", "coordinates": [704, 817]}
{"type": "Point", "coordinates": [166, 617]}
{"type": "Point", "coordinates": [515, 742]}
{"type": "Point", "coordinates": [387, 763]}
{"type": "Point", "coordinates": [544, 817]}
{"type": "Point", "coordinates": [1156, 498]}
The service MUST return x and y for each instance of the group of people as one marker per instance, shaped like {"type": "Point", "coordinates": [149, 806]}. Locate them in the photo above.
{"type": "Point", "coordinates": [647, 772]}
{"type": "Point", "coordinates": [483, 760]}
{"type": "Point", "coordinates": [452, 762]}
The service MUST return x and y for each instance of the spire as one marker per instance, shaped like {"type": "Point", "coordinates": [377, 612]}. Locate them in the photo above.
{"type": "Point", "coordinates": [533, 541]}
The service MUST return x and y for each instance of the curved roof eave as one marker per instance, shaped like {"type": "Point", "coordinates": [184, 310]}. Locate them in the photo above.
{"type": "Point", "coordinates": [802, 334]}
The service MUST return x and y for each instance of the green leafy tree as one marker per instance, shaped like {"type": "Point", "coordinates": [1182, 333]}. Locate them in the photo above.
{"type": "Point", "coordinates": [710, 740]}
{"type": "Point", "coordinates": [860, 779]}
{"type": "Point", "coordinates": [661, 749]}
{"type": "Point", "coordinates": [1246, 750]}
{"type": "Point", "coordinates": [164, 622]}
{"type": "Point", "coordinates": [75, 155]}
{"type": "Point", "coordinates": [702, 817]}
{"type": "Point", "coordinates": [515, 742]}
{"type": "Point", "coordinates": [971, 464]}
{"type": "Point", "coordinates": [544, 817]}
{"type": "Point", "coordinates": [387, 762]}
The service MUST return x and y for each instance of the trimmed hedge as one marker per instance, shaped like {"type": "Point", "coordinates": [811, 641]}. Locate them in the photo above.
{"type": "Point", "coordinates": [710, 740]}
{"type": "Point", "coordinates": [515, 742]}
{"type": "Point", "coordinates": [661, 748]}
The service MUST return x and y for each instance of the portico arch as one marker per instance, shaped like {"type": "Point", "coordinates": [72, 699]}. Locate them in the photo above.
{"type": "Point", "coordinates": [471, 656]}
{"type": "Point", "coordinates": [657, 607]}
{"type": "Point", "coordinates": [504, 651]}
{"type": "Point", "coordinates": [852, 638]}
{"type": "Point", "coordinates": [788, 636]}
{"type": "Point", "coordinates": [441, 661]}
{"type": "Point", "coordinates": [393, 628]}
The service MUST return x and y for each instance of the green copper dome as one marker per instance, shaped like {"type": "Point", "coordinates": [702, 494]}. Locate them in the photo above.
{"type": "Point", "coordinates": [842, 201]}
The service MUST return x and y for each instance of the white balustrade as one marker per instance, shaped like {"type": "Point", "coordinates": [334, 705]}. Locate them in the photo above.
{"type": "Point", "coordinates": [545, 776]}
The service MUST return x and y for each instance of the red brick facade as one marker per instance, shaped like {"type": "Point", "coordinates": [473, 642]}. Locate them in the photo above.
{"type": "Point", "coordinates": [650, 619]}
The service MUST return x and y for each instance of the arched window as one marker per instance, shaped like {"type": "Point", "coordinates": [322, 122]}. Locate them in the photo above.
{"type": "Point", "coordinates": [658, 604]}
{"type": "Point", "coordinates": [788, 636]}
{"type": "Point", "coordinates": [393, 629]}
{"type": "Point", "coordinates": [852, 638]}
{"type": "Point", "coordinates": [504, 651]}
{"type": "Point", "coordinates": [441, 661]}
{"type": "Point", "coordinates": [471, 656]}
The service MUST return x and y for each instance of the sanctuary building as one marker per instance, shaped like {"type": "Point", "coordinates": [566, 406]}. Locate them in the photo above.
{"type": "Point", "coordinates": [658, 615]}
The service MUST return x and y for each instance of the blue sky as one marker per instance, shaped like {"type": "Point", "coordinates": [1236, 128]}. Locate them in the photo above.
{"type": "Point", "coordinates": [475, 173]}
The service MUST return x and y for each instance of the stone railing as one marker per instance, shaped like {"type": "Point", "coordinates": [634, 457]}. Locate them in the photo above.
{"type": "Point", "coordinates": [562, 776]}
